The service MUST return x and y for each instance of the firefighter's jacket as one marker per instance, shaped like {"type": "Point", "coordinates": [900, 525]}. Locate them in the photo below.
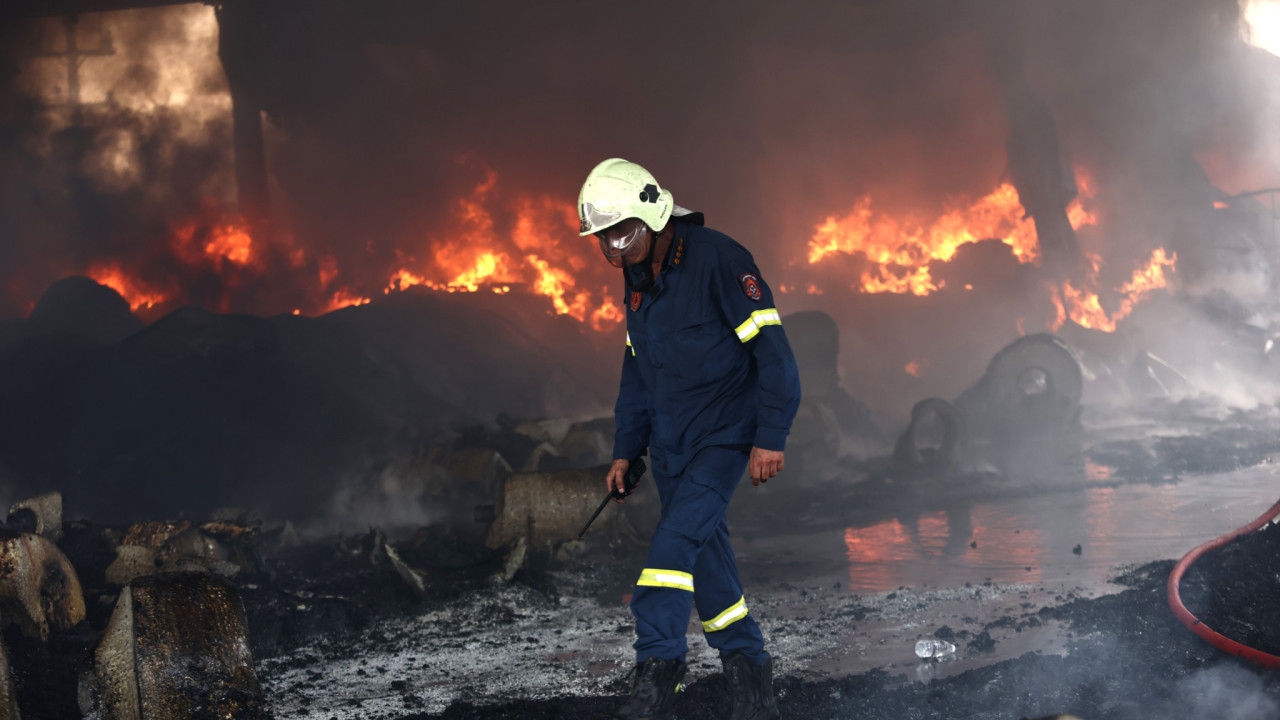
{"type": "Point", "coordinates": [706, 362]}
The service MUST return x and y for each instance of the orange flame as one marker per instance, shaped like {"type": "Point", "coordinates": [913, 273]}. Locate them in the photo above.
{"type": "Point", "coordinates": [1085, 309]}
{"type": "Point", "coordinates": [495, 241]}
{"type": "Point", "coordinates": [345, 297]}
{"type": "Point", "coordinates": [1077, 214]}
{"type": "Point", "coordinates": [138, 295]}
{"type": "Point", "coordinates": [532, 254]}
{"type": "Point", "coordinates": [901, 249]}
{"type": "Point", "coordinates": [231, 243]}
{"type": "Point", "coordinates": [224, 242]}
{"type": "Point", "coordinates": [913, 368]}
{"type": "Point", "coordinates": [555, 284]}
{"type": "Point", "coordinates": [607, 315]}
{"type": "Point", "coordinates": [403, 279]}
{"type": "Point", "coordinates": [1146, 279]}
{"type": "Point", "coordinates": [487, 267]}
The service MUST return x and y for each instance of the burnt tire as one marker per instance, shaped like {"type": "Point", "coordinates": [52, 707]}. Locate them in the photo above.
{"type": "Point", "coordinates": [1032, 387]}
{"type": "Point", "coordinates": [909, 457]}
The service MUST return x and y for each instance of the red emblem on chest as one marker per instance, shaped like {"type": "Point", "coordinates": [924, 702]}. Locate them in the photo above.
{"type": "Point", "coordinates": [750, 285]}
{"type": "Point", "coordinates": [636, 298]}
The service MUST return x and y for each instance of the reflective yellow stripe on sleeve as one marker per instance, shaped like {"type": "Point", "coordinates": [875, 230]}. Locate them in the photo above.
{"type": "Point", "coordinates": [666, 578]}
{"type": "Point", "coordinates": [633, 347]}
{"type": "Point", "coordinates": [736, 612]}
{"type": "Point", "coordinates": [758, 319]}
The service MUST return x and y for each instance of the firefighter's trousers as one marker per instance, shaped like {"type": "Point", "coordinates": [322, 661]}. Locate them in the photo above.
{"type": "Point", "coordinates": [690, 562]}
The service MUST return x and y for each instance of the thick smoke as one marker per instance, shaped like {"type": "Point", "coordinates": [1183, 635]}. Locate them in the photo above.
{"type": "Point", "coordinates": [106, 179]}
{"type": "Point", "coordinates": [768, 118]}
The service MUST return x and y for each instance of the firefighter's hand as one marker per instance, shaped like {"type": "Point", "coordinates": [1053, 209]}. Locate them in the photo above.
{"type": "Point", "coordinates": [616, 481]}
{"type": "Point", "coordinates": [764, 464]}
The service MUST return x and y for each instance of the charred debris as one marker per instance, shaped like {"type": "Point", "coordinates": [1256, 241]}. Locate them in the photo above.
{"type": "Point", "coordinates": [108, 620]}
{"type": "Point", "coordinates": [175, 618]}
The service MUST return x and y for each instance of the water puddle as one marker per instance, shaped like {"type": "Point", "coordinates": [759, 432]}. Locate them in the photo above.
{"type": "Point", "coordinates": [1075, 537]}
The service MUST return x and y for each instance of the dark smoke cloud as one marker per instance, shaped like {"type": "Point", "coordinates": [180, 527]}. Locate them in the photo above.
{"type": "Point", "coordinates": [108, 180]}
{"type": "Point", "coordinates": [767, 117]}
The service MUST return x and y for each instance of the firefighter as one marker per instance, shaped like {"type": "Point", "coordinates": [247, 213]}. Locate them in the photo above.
{"type": "Point", "coordinates": [709, 387]}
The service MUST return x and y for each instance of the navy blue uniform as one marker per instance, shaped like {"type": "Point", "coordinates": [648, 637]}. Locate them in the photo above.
{"type": "Point", "coordinates": [707, 373]}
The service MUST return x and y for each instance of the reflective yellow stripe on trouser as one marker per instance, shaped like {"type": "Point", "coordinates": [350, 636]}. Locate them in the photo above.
{"type": "Point", "coordinates": [666, 578]}
{"type": "Point", "coordinates": [633, 347]}
{"type": "Point", "coordinates": [736, 612]}
{"type": "Point", "coordinates": [758, 319]}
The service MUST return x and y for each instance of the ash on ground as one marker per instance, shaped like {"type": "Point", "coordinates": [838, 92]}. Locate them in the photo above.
{"type": "Point", "coordinates": [338, 636]}
{"type": "Point", "coordinates": [1051, 586]}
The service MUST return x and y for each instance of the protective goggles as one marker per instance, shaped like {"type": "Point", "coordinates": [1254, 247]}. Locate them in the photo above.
{"type": "Point", "coordinates": [629, 237]}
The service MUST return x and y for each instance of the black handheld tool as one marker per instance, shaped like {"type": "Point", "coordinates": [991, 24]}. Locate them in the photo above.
{"type": "Point", "coordinates": [629, 481]}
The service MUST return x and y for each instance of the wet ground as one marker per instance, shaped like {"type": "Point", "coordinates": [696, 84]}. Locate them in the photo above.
{"type": "Point", "coordinates": [1050, 583]}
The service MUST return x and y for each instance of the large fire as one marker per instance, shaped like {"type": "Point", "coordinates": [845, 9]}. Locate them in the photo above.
{"type": "Point", "coordinates": [492, 241]}
{"type": "Point", "coordinates": [502, 241]}
{"type": "Point", "coordinates": [537, 252]}
{"type": "Point", "coordinates": [530, 244]}
{"type": "Point", "coordinates": [900, 249]}
{"type": "Point", "coordinates": [495, 238]}
{"type": "Point", "coordinates": [223, 247]}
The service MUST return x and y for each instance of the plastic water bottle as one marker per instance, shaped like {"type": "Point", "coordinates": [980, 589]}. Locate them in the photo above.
{"type": "Point", "coordinates": [931, 648]}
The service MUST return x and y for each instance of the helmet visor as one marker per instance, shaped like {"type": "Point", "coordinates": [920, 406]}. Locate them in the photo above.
{"type": "Point", "coordinates": [594, 219]}
{"type": "Point", "coordinates": [626, 242]}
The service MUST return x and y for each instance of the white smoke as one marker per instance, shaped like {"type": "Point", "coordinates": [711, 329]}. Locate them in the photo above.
{"type": "Point", "coordinates": [1225, 692]}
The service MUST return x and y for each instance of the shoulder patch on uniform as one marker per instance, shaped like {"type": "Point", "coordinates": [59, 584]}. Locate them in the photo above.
{"type": "Point", "coordinates": [636, 298]}
{"type": "Point", "coordinates": [750, 285]}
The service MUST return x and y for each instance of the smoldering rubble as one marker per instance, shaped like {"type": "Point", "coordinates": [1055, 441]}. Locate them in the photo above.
{"type": "Point", "coordinates": [473, 618]}
{"type": "Point", "coordinates": [374, 512]}
{"type": "Point", "coordinates": [487, 604]}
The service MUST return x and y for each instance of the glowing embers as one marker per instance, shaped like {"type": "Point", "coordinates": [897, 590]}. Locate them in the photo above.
{"type": "Point", "coordinates": [901, 249]}
{"type": "Point", "coordinates": [499, 245]}
{"type": "Point", "coordinates": [1085, 308]}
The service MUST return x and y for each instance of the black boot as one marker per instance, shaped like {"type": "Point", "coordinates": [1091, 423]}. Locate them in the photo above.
{"type": "Point", "coordinates": [653, 691]}
{"type": "Point", "coordinates": [752, 688]}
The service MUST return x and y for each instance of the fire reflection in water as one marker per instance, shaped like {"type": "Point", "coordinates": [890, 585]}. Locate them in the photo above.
{"type": "Point", "coordinates": [1040, 539]}
{"type": "Point", "coordinates": [876, 553]}
{"type": "Point", "coordinates": [991, 540]}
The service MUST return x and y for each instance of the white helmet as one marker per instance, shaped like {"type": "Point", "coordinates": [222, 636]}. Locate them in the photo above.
{"type": "Point", "coordinates": [617, 190]}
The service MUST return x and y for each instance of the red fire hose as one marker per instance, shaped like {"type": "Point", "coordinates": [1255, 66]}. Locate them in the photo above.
{"type": "Point", "coordinates": [1216, 639]}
